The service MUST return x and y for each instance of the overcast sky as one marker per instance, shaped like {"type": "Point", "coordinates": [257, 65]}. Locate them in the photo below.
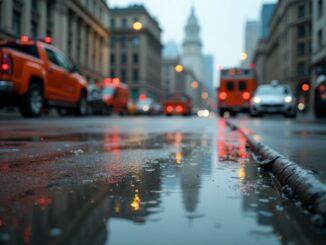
{"type": "Point", "coordinates": [222, 22]}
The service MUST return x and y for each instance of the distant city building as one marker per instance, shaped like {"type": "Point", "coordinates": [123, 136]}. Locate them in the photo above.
{"type": "Point", "coordinates": [79, 28]}
{"type": "Point", "coordinates": [285, 55]}
{"type": "Point", "coordinates": [319, 38]}
{"type": "Point", "coordinates": [252, 34]}
{"type": "Point", "coordinates": [170, 50]}
{"type": "Point", "coordinates": [208, 73]}
{"type": "Point", "coordinates": [192, 46]}
{"type": "Point", "coordinates": [265, 17]}
{"type": "Point", "coordinates": [136, 50]}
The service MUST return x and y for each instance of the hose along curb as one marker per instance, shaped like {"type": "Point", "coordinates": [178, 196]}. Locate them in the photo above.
{"type": "Point", "coordinates": [296, 181]}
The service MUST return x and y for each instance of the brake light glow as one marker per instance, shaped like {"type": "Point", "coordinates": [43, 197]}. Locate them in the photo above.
{"type": "Point", "coordinates": [4, 67]}
{"type": "Point", "coordinates": [47, 40]}
{"type": "Point", "coordinates": [142, 97]}
{"type": "Point", "coordinates": [5, 64]}
{"type": "Point", "coordinates": [246, 95]}
{"type": "Point", "coordinates": [24, 38]}
{"type": "Point", "coordinates": [223, 96]}
{"type": "Point", "coordinates": [169, 109]}
{"type": "Point", "coordinates": [322, 88]}
{"type": "Point", "coordinates": [179, 109]}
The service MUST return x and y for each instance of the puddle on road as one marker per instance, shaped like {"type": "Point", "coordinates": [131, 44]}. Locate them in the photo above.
{"type": "Point", "coordinates": [177, 188]}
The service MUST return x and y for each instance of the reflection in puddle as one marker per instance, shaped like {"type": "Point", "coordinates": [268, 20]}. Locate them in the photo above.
{"type": "Point", "coordinates": [195, 193]}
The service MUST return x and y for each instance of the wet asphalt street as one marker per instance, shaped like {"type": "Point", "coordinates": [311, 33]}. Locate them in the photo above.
{"type": "Point", "coordinates": [141, 181]}
{"type": "Point", "coordinates": [302, 141]}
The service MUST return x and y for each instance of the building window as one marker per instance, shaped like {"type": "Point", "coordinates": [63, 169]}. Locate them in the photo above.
{"type": "Point", "coordinates": [34, 5]}
{"type": "Point", "coordinates": [301, 68]}
{"type": "Point", "coordinates": [123, 76]}
{"type": "Point", "coordinates": [34, 29]}
{"type": "Point", "coordinates": [320, 38]}
{"type": "Point", "coordinates": [123, 42]}
{"type": "Point", "coordinates": [124, 23]}
{"type": "Point", "coordinates": [16, 23]}
{"type": "Point", "coordinates": [135, 42]}
{"type": "Point", "coordinates": [135, 58]}
{"type": "Point", "coordinates": [112, 42]}
{"type": "Point", "coordinates": [301, 30]}
{"type": "Point", "coordinates": [301, 49]}
{"type": "Point", "coordinates": [112, 59]}
{"type": "Point", "coordinates": [301, 11]}
{"type": "Point", "coordinates": [123, 59]}
{"type": "Point", "coordinates": [320, 8]}
{"type": "Point", "coordinates": [135, 76]}
{"type": "Point", "coordinates": [112, 23]}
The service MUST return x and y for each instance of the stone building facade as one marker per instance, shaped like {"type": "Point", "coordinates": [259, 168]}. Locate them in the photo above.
{"type": "Point", "coordinates": [80, 28]}
{"type": "Point", "coordinates": [285, 54]}
{"type": "Point", "coordinates": [136, 51]}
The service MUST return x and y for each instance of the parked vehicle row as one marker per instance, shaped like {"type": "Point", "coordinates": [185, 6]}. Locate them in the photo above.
{"type": "Point", "coordinates": [238, 92]}
{"type": "Point", "coordinates": [35, 75]}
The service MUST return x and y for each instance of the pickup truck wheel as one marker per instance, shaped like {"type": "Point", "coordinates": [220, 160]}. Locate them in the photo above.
{"type": "Point", "coordinates": [32, 102]}
{"type": "Point", "coordinates": [82, 105]}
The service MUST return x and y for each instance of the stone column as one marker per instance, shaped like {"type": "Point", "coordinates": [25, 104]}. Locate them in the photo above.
{"type": "Point", "coordinates": [43, 18]}
{"type": "Point", "coordinates": [82, 43]}
{"type": "Point", "coordinates": [105, 57]}
{"type": "Point", "coordinates": [90, 49]}
{"type": "Point", "coordinates": [26, 18]}
{"type": "Point", "coordinates": [74, 40]}
{"type": "Point", "coordinates": [6, 15]}
{"type": "Point", "coordinates": [60, 34]}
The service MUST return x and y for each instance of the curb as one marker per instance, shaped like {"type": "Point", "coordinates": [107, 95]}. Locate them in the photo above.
{"type": "Point", "coordinates": [296, 182]}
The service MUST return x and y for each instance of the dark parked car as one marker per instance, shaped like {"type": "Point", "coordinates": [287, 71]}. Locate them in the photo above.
{"type": "Point", "coordinates": [320, 97]}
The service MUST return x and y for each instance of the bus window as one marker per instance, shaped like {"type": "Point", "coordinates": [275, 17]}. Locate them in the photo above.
{"type": "Point", "coordinates": [230, 86]}
{"type": "Point", "coordinates": [242, 86]}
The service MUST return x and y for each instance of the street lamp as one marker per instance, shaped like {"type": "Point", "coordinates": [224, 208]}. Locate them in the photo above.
{"type": "Point", "coordinates": [204, 95]}
{"type": "Point", "coordinates": [243, 56]}
{"type": "Point", "coordinates": [194, 84]}
{"type": "Point", "coordinates": [137, 26]}
{"type": "Point", "coordinates": [179, 68]}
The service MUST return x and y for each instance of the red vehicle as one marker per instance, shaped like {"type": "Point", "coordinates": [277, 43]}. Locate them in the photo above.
{"type": "Point", "coordinates": [115, 96]}
{"type": "Point", "coordinates": [237, 86]}
{"type": "Point", "coordinates": [35, 75]}
{"type": "Point", "coordinates": [178, 104]}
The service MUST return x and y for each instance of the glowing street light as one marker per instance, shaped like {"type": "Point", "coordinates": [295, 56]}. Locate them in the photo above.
{"type": "Point", "coordinates": [179, 68]}
{"type": "Point", "coordinates": [194, 84]}
{"type": "Point", "coordinates": [137, 26]}
{"type": "Point", "coordinates": [243, 56]}
{"type": "Point", "coordinates": [204, 95]}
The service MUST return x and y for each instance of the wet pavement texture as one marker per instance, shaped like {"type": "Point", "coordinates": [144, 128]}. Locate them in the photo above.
{"type": "Point", "coordinates": [141, 181]}
{"type": "Point", "coordinates": [302, 141]}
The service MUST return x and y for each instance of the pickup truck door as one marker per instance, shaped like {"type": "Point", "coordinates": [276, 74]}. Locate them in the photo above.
{"type": "Point", "coordinates": [56, 77]}
{"type": "Point", "coordinates": [71, 81]}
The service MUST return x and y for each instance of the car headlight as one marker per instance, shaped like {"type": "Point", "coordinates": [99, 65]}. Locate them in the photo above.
{"type": "Point", "coordinates": [145, 108]}
{"type": "Point", "coordinates": [288, 99]}
{"type": "Point", "coordinates": [256, 100]}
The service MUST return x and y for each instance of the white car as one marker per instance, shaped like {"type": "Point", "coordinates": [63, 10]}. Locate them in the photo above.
{"type": "Point", "coordinates": [273, 99]}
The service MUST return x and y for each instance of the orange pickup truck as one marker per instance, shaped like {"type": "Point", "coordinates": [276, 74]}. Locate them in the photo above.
{"type": "Point", "coordinates": [35, 75]}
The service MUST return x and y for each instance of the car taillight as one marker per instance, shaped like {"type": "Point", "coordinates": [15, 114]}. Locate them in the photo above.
{"type": "Point", "coordinates": [223, 96]}
{"type": "Point", "coordinates": [246, 95]}
{"type": "Point", "coordinates": [179, 109]}
{"type": "Point", "coordinates": [322, 88]}
{"type": "Point", "coordinates": [5, 64]}
{"type": "Point", "coordinates": [169, 109]}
